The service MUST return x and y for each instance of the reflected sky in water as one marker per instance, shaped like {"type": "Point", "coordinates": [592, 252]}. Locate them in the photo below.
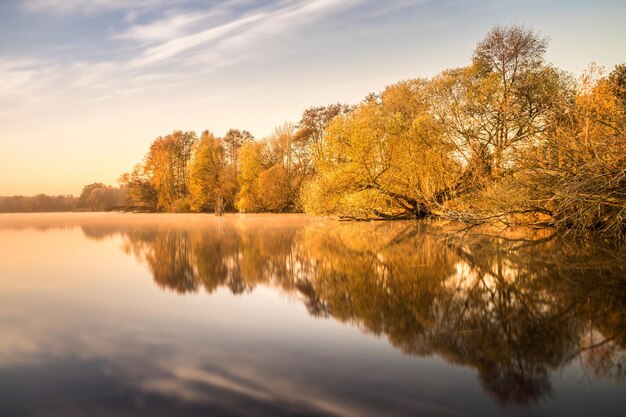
{"type": "Point", "coordinates": [126, 315]}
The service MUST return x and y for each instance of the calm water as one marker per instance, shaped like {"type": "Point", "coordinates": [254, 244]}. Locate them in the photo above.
{"type": "Point", "coordinates": [163, 315]}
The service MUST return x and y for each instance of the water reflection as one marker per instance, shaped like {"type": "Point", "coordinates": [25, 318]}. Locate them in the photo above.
{"type": "Point", "coordinates": [515, 308]}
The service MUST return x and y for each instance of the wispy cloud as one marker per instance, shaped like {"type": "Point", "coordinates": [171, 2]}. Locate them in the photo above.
{"type": "Point", "coordinates": [237, 32]}
{"type": "Point", "coordinates": [170, 46]}
{"type": "Point", "coordinates": [170, 26]}
{"type": "Point", "coordinates": [178, 45]}
{"type": "Point", "coordinates": [93, 6]}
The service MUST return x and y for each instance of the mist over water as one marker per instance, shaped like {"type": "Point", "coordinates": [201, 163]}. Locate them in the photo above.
{"type": "Point", "coordinates": [120, 314]}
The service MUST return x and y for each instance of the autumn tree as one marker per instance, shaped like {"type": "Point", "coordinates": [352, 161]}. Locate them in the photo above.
{"type": "Point", "coordinates": [617, 83]}
{"type": "Point", "coordinates": [582, 179]}
{"type": "Point", "coordinates": [232, 142]}
{"type": "Point", "coordinates": [140, 191]}
{"type": "Point", "coordinates": [292, 156]}
{"type": "Point", "coordinates": [314, 122]}
{"type": "Point", "coordinates": [168, 162]}
{"type": "Point", "coordinates": [210, 185]}
{"type": "Point", "coordinates": [493, 107]}
{"type": "Point", "coordinates": [511, 61]}
{"type": "Point", "coordinates": [252, 164]}
{"type": "Point", "coordinates": [273, 171]}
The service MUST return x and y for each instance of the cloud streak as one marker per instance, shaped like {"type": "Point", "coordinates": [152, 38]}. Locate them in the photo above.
{"type": "Point", "coordinates": [240, 31]}
{"type": "Point", "coordinates": [177, 45]}
{"type": "Point", "coordinates": [163, 29]}
{"type": "Point", "coordinates": [93, 6]}
{"type": "Point", "coordinates": [172, 46]}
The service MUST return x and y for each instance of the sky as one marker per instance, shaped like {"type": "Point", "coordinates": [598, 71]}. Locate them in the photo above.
{"type": "Point", "coordinates": [86, 85]}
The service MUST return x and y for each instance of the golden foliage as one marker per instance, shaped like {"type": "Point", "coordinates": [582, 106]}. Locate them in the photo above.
{"type": "Point", "coordinates": [385, 158]}
{"type": "Point", "coordinates": [508, 138]}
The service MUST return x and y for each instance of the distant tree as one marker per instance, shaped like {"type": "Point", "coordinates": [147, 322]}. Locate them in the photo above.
{"type": "Point", "coordinates": [100, 197]}
{"type": "Point", "coordinates": [40, 203]}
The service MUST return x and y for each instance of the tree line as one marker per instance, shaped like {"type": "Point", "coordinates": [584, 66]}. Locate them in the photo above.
{"type": "Point", "coordinates": [185, 172]}
{"type": "Point", "coordinates": [94, 197]}
{"type": "Point", "coordinates": [508, 138]}
{"type": "Point", "coordinates": [40, 203]}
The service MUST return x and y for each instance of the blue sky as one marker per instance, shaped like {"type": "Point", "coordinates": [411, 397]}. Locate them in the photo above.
{"type": "Point", "coordinates": [85, 85]}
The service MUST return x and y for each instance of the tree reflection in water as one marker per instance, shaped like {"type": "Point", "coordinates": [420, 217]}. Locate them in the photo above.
{"type": "Point", "coordinates": [516, 307]}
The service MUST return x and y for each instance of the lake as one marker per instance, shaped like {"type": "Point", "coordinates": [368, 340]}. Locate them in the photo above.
{"type": "Point", "coordinates": [289, 315]}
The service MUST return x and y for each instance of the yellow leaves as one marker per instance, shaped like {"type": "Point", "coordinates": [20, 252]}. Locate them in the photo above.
{"type": "Point", "coordinates": [251, 167]}
{"type": "Point", "coordinates": [275, 192]}
{"type": "Point", "coordinates": [406, 98]}
{"type": "Point", "coordinates": [207, 180]}
{"type": "Point", "coordinates": [377, 159]}
{"type": "Point", "coordinates": [167, 167]}
{"type": "Point", "coordinates": [599, 110]}
{"type": "Point", "coordinates": [272, 171]}
{"type": "Point", "coordinates": [595, 131]}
